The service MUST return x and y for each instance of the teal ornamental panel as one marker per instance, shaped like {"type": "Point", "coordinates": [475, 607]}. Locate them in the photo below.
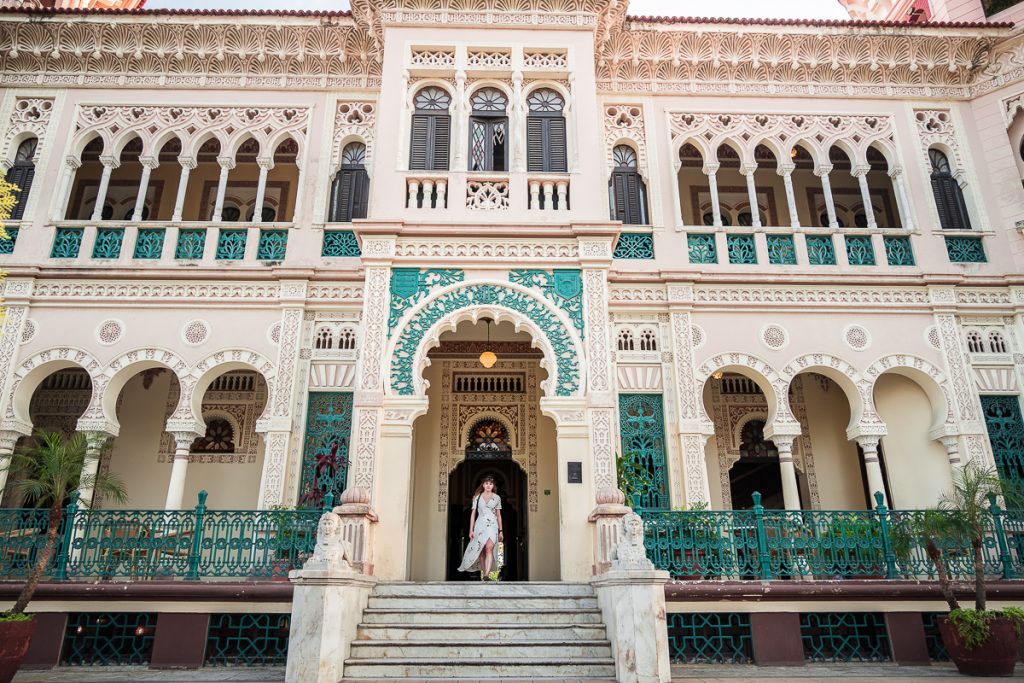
{"type": "Point", "coordinates": [108, 639]}
{"type": "Point", "coordinates": [821, 250]}
{"type": "Point", "coordinates": [741, 249]}
{"type": "Point", "coordinates": [710, 638]}
{"type": "Point", "coordinates": [634, 245]}
{"type": "Point", "coordinates": [273, 245]}
{"type": "Point", "coordinates": [642, 428]}
{"type": "Point", "coordinates": [66, 243]}
{"type": "Point", "coordinates": [1006, 434]}
{"type": "Point", "coordinates": [567, 366]}
{"type": "Point", "coordinates": [149, 244]}
{"type": "Point", "coordinates": [325, 455]}
{"type": "Point", "coordinates": [781, 250]}
{"type": "Point", "coordinates": [937, 651]}
{"type": "Point", "coordinates": [7, 245]}
{"type": "Point", "coordinates": [231, 245]}
{"type": "Point", "coordinates": [108, 243]}
{"type": "Point", "coordinates": [563, 287]}
{"type": "Point", "coordinates": [702, 248]}
{"type": "Point", "coordinates": [898, 251]}
{"type": "Point", "coordinates": [340, 243]}
{"type": "Point", "coordinates": [965, 250]}
{"type": "Point", "coordinates": [191, 244]}
{"type": "Point", "coordinates": [859, 251]}
{"type": "Point", "coordinates": [247, 640]}
{"type": "Point", "coordinates": [410, 285]}
{"type": "Point", "coordinates": [845, 637]}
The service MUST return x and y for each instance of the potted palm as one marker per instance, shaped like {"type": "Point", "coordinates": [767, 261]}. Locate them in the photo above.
{"type": "Point", "coordinates": [46, 473]}
{"type": "Point", "coordinates": [981, 641]}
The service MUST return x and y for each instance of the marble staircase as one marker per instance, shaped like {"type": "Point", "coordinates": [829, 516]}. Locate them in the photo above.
{"type": "Point", "coordinates": [481, 630]}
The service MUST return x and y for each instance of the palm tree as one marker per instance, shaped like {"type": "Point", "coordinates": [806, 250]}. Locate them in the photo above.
{"type": "Point", "coordinates": [47, 472]}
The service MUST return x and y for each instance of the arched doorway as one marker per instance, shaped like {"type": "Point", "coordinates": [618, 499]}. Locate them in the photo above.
{"type": "Point", "coordinates": [756, 470]}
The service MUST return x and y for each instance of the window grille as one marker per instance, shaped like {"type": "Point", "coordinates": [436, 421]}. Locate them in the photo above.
{"type": "Point", "coordinates": [949, 198]}
{"type": "Point", "coordinates": [324, 339]}
{"type": "Point", "coordinates": [996, 342]}
{"type": "Point", "coordinates": [975, 342]}
{"type": "Point", "coordinates": [431, 130]}
{"type": "Point", "coordinates": [648, 340]}
{"type": "Point", "coordinates": [546, 150]}
{"type": "Point", "coordinates": [626, 342]}
{"type": "Point", "coordinates": [350, 189]}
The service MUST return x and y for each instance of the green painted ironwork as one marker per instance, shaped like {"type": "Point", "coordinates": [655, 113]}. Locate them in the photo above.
{"type": "Point", "coordinates": [821, 250]}
{"type": "Point", "coordinates": [937, 651]}
{"type": "Point", "coordinates": [191, 244]}
{"type": "Point", "coordinates": [965, 250]}
{"type": "Point", "coordinates": [273, 245]}
{"type": "Point", "coordinates": [642, 429]}
{"type": "Point", "coordinates": [563, 287]}
{"type": "Point", "coordinates": [1006, 434]}
{"type": "Point", "coordinates": [741, 249]}
{"type": "Point", "coordinates": [149, 243]}
{"type": "Point", "coordinates": [781, 250]}
{"type": "Point", "coordinates": [108, 243]}
{"type": "Point", "coordinates": [340, 243]}
{"type": "Point", "coordinates": [634, 245]}
{"type": "Point", "coordinates": [22, 537]}
{"type": "Point", "coordinates": [701, 248]}
{"type": "Point", "coordinates": [7, 244]}
{"type": "Point", "coordinates": [247, 640]}
{"type": "Point", "coordinates": [558, 336]}
{"type": "Point", "coordinates": [231, 245]}
{"type": "Point", "coordinates": [859, 251]}
{"type": "Point", "coordinates": [710, 638]}
{"type": "Point", "coordinates": [844, 637]}
{"type": "Point", "coordinates": [325, 455]}
{"type": "Point", "coordinates": [108, 639]}
{"type": "Point", "coordinates": [898, 251]}
{"type": "Point", "coordinates": [410, 285]}
{"type": "Point", "coordinates": [66, 243]}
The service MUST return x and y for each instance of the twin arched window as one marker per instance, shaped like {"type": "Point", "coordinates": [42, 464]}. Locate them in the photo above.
{"type": "Point", "coordinates": [626, 189]}
{"type": "Point", "coordinates": [949, 197]}
{"type": "Point", "coordinates": [431, 130]}
{"type": "Point", "coordinates": [350, 190]}
{"type": "Point", "coordinates": [21, 175]}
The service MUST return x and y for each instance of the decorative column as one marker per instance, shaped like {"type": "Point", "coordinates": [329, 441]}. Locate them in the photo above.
{"type": "Point", "coordinates": [711, 171]}
{"type": "Point", "coordinates": [187, 164]}
{"type": "Point", "coordinates": [861, 174]}
{"type": "Point", "coordinates": [227, 164]}
{"type": "Point", "coordinates": [97, 441]}
{"type": "Point", "coordinates": [903, 198]}
{"type": "Point", "coordinates": [71, 165]}
{"type": "Point", "coordinates": [8, 439]}
{"type": "Point", "coordinates": [873, 469]}
{"type": "Point", "coordinates": [148, 164]}
{"type": "Point", "coordinates": [786, 171]}
{"type": "Point", "coordinates": [109, 164]}
{"type": "Point", "coordinates": [822, 171]}
{"type": "Point", "coordinates": [265, 163]}
{"type": "Point", "coordinates": [179, 469]}
{"type": "Point", "coordinates": [787, 468]}
{"type": "Point", "coordinates": [952, 445]}
{"type": "Point", "coordinates": [748, 170]}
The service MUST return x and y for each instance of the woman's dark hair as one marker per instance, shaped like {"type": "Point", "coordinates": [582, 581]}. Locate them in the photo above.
{"type": "Point", "coordinates": [480, 487]}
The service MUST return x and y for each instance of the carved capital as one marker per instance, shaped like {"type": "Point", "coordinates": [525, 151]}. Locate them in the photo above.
{"type": "Point", "coordinates": [183, 443]}
{"type": "Point", "coordinates": [265, 163]}
{"type": "Point", "coordinates": [149, 162]}
{"type": "Point", "coordinates": [785, 169]}
{"type": "Point", "coordinates": [187, 162]}
{"type": "Point", "coordinates": [710, 168]}
{"type": "Point", "coordinates": [72, 163]}
{"type": "Point", "coordinates": [110, 162]}
{"type": "Point", "coordinates": [822, 170]}
{"type": "Point", "coordinates": [226, 163]}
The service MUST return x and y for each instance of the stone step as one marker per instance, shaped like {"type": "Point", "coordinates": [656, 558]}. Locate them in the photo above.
{"type": "Point", "coordinates": [476, 668]}
{"type": "Point", "coordinates": [456, 617]}
{"type": "Point", "coordinates": [483, 589]}
{"type": "Point", "coordinates": [547, 649]}
{"type": "Point", "coordinates": [499, 632]}
{"type": "Point", "coordinates": [482, 602]}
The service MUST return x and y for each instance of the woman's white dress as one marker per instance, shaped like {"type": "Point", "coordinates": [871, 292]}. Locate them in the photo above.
{"type": "Point", "coordinates": [486, 528]}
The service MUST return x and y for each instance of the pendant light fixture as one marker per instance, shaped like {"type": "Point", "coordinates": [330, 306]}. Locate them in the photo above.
{"type": "Point", "coordinates": [487, 358]}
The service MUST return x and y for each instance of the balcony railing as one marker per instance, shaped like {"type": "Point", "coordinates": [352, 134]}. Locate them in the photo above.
{"type": "Point", "coordinates": [760, 544]}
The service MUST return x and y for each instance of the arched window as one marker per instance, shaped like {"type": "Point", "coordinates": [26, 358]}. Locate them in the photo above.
{"type": "Point", "coordinates": [21, 175]}
{"type": "Point", "coordinates": [324, 339]}
{"type": "Point", "coordinates": [996, 342]}
{"type": "Point", "coordinates": [949, 198]}
{"type": "Point", "coordinates": [431, 130]}
{"type": "Point", "coordinates": [627, 191]}
{"type": "Point", "coordinates": [231, 214]}
{"type": "Point", "coordinates": [648, 340]}
{"type": "Point", "coordinates": [219, 438]}
{"type": "Point", "coordinates": [709, 217]}
{"type": "Point", "coordinates": [753, 445]}
{"type": "Point", "coordinates": [975, 342]}
{"type": "Point", "coordinates": [545, 133]}
{"type": "Point", "coordinates": [350, 190]}
{"type": "Point", "coordinates": [488, 131]}
{"type": "Point", "coordinates": [347, 338]}
{"type": "Point", "coordinates": [625, 340]}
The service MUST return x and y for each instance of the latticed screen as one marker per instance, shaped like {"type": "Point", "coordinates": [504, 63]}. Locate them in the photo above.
{"type": "Point", "coordinates": [1006, 434]}
{"type": "Point", "coordinates": [325, 451]}
{"type": "Point", "coordinates": [710, 638]}
{"type": "Point", "coordinates": [108, 638]}
{"type": "Point", "coordinates": [248, 640]}
{"type": "Point", "coordinates": [642, 425]}
{"type": "Point", "coordinates": [933, 639]}
{"type": "Point", "coordinates": [845, 637]}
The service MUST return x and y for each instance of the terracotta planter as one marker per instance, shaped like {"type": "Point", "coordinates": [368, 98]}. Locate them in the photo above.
{"type": "Point", "coordinates": [996, 657]}
{"type": "Point", "coordinates": [14, 639]}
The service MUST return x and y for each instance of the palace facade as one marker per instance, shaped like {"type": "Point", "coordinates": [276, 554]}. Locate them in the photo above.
{"type": "Point", "coordinates": [773, 265]}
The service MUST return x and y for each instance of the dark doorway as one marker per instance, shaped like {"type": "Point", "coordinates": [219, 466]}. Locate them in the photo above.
{"type": "Point", "coordinates": [757, 470]}
{"type": "Point", "coordinates": [511, 486]}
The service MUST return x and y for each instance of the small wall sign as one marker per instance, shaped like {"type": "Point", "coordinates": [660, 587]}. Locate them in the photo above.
{"type": "Point", "coordinates": [575, 472]}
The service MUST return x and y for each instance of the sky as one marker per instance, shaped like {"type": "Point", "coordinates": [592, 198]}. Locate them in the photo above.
{"type": "Point", "coordinates": [761, 9]}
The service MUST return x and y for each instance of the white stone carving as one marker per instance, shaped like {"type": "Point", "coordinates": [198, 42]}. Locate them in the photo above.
{"type": "Point", "coordinates": [354, 121]}
{"type": "Point", "coordinates": [856, 337]}
{"type": "Point", "coordinates": [109, 331]}
{"type": "Point", "coordinates": [630, 555]}
{"type": "Point", "coordinates": [195, 332]}
{"type": "Point", "coordinates": [332, 552]}
{"type": "Point", "coordinates": [28, 332]}
{"type": "Point", "coordinates": [29, 118]}
{"type": "Point", "coordinates": [774, 336]}
{"type": "Point", "coordinates": [487, 195]}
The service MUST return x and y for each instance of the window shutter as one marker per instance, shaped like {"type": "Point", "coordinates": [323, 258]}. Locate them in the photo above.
{"type": "Point", "coordinates": [633, 212]}
{"type": "Point", "coordinates": [441, 143]}
{"type": "Point", "coordinates": [557, 156]}
{"type": "Point", "coordinates": [618, 186]}
{"type": "Point", "coordinates": [535, 145]}
{"type": "Point", "coordinates": [21, 175]}
{"type": "Point", "coordinates": [949, 200]}
{"type": "Point", "coordinates": [360, 193]}
{"type": "Point", "coordinates": [341, 197]}
{"type": "Point", "coordinates": [418, 143]}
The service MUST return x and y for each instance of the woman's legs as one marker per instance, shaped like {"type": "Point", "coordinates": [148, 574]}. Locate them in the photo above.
{"type": "Point", "coordinates": [488, 557]}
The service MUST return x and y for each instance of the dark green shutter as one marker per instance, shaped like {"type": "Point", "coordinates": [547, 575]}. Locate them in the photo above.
{"type": "Point", "coordinates": [535, 145]}
{"type": "Point", "coordinates": [556, 148]}
{"type": "Point", "coordinates": [21, 175]}
{"type": "Point", "coordinates": [949, 200]}
{"type": "Point", "coordinates": [419, 142]}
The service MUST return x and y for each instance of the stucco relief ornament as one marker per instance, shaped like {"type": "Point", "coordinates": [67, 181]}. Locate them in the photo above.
{"type": "Point", "coordinates": [631, 554]}
{"type": "Point", "coordinates": [332, 551]}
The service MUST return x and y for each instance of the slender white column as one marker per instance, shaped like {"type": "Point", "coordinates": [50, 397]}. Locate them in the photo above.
{"type": "Point", "coordinates": [187, 164]}
{"type": "Point", "coordinates": [787, 467]}
{"type": "Point", "coordinates": [861, 174]}
{"type": "Point", "coordinates": [711, 171]}
{"type": "Point", "coordinates": [148, 164]}
{"type": "Point", "coordinates": [109, 164]}
{"type": "Point", "coordinates": [71, 164]}
{"type": "Point", "coordinates": [822, 172]}
{"type": "Point", "coordinates": [226, 165]}
{"type": "Point", "coordinates": [179, 468]}
{"type": "Point", "coordinates": [786, 171]}
{"type": "Point", "coordinates": [902, 198]}
{"type": "Point", "coordinates": [748, 170]}
{"type": "Point", "coordinates": [876, 482]}
{"type": "Point", "coordinates": [91, 466]}
{"type": "Point", "coordinates": [266, 163]}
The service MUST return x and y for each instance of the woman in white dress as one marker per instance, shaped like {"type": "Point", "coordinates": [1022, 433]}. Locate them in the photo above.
{"type": "Point", "coordinates": [484, 530]}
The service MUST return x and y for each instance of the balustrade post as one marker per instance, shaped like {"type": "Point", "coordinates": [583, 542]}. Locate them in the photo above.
{"type": "Point", "coordinates": [197, 540]}
{"type": "Point", "coordinates": [534, 194]}
{"type": "Point", "coordinates": [428, 193]}
{"type": "Point", "coordinates": [1005, 559]}
{"type": "Point", "coordinates": [60, 571]}
{"type": "Point", "coordinates": [549, 194]}
{"type": "Point", "coordinates": [562, 188]}
{"type": "Point", "coordinates": [442, 193]}
{"type": "Point", "coordinates": [883, 529]}
{"type": "Point", "coordinates": [413, 190]}
{"type": "Point", "coordinates": [762, 538]}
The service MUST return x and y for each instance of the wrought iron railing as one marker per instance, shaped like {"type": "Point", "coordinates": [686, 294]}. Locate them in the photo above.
{"type": "Point", "coordinates": [160, 545]}
{"type": "Point", "coordinates": [760, 544]}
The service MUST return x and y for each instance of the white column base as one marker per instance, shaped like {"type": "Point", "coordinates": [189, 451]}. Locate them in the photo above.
{"type": "Point", "coordinates": [633, 606]}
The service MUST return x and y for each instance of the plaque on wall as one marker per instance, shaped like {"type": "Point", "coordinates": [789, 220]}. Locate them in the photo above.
{"type": "Point", "coordinates": [575, 472]}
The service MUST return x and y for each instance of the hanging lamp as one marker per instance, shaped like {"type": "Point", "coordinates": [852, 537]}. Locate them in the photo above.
{"type": "Point", "coordinates": [487, 358]}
